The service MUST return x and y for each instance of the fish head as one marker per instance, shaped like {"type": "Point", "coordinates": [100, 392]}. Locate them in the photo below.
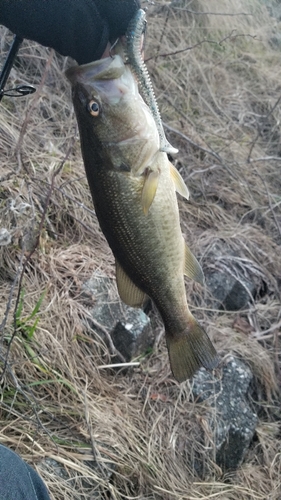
{"type": "Point", "coordinates": [98, 91]}
{"type": "Point", "coordinates": [108, 105]}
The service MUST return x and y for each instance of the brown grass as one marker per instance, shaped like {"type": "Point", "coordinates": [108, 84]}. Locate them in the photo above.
{"type": "Point", "coordinates": [221, 103]}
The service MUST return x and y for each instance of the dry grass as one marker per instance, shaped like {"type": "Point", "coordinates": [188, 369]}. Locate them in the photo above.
{"type": "Point", "coordinates": [220, 100]}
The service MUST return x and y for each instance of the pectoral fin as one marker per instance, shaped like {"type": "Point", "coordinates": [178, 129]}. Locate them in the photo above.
{"type": "Point", "coordinates": [128, 291]}
{"type": "Point", "coordinates": [180, 185]}
{"type": "Point", "coordinates": [149, 189]}
{"type": "Point", "coordinates": [192, 268]}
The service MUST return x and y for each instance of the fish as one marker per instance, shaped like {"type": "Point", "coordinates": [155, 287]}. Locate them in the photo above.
{"type": "Point", "coordinates": [134, 36]}
{"type": "Point", "coordinates": [133, 186]}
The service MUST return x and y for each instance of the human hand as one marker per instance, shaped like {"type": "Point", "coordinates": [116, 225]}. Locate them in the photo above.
{"type": "Point", "coordinates": [81, 29]}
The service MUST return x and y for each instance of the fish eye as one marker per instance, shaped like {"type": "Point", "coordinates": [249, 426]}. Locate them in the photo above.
{"type": "Point", "coordinates": [94, 108]}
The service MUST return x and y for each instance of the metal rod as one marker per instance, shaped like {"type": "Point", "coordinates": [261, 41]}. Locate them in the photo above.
{"type": "Point", "coordinates": [9, 63]}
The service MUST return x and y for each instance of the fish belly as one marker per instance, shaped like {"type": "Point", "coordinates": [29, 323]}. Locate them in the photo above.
{"type": "Point", "coordinates": [150, 247]}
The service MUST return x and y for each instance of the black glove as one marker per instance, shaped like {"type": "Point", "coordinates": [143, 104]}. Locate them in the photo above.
{"type": "Point", "coordinates": [77, 28]}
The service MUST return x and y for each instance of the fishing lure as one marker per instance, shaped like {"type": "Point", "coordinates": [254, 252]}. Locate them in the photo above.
{"type": "Point", "coordinates": [134, 34]}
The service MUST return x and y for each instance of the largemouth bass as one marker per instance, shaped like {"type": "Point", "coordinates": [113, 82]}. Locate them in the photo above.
{"type": "Point", "coordinates": [133, 186]}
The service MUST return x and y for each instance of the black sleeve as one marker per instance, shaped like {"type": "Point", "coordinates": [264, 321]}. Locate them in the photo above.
{"type": "Point", "coordinates": [118, 14]}
{"type": "Point", "coordinates": [77, 28]}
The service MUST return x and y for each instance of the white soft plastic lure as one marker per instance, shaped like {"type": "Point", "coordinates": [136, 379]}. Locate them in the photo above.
{"type": "Point", "coordinates": [134, 34]}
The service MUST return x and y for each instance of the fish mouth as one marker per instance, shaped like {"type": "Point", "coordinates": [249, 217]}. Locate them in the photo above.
{"type": "Point", "coordinates": [109, 68]}
{"type": "Point", "coordinates": [108, 78]}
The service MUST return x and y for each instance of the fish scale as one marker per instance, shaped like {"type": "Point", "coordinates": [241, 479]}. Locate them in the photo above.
{"type": "Point", "coordinates": [137, 206]}
{"type": "Point", "coordinates": [157, 228]}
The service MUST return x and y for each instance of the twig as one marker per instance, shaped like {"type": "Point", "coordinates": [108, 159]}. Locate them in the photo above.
{"type": "Point", "coordinates": [186, 138]}
{"type": "Point", "coordinates": [72, 181]}
{"type": "Point", "coordinates": [28, 258]}
{"type": "Point", "coordinates": [7, 176]}
{"type": "Point", "coordinates": [9, 303]}
{"type": "Point", "coordinates": [162, 34]}
{"type": "Point", "coordinates": [231, 37]}
{"type": "Point", "coordinates": [33, 103]}
{"type": "Point", "coordinates": [203, 170]}
{"type": "Point", "coordinates": [96, 454]}
{"type": "Point", "coordinates": [79, 203]}
{"type": "Point", "coordinates": [249, 159]}
{"type": "Point", "coordinates": [175, 52]}
{"type": "Point", "coordinates": [208, 151]}
{"type": "Point", "coordinates": [112, 347]}
{"type": "Point", "coordinates": [119, 365]}
{"type": "Point", "coordinates": [264, 158]}
{"type": "Point", "coordinates": [30, 398]}
{"type": "Point", "coordinates": [269, 202]}
{"type": "Point", "coordinates": [264, 333]}
{"type": "Point", "coordinates": [207, 13]}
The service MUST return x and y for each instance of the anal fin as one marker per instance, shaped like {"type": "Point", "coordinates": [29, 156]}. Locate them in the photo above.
{"type": "Point", "coordinates": [192, 268]}
{"type": "Point", "coordinates": [128, 291]}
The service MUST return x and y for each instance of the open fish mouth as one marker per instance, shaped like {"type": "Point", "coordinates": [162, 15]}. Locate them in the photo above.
{"type": "Point", "coordinates": [108, 77]}
{"type": "Point", "coordinates": [107, 68]}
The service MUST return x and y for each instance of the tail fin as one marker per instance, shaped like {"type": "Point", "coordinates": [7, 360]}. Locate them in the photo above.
{"type": "Point", "coordinates": [190, 351]}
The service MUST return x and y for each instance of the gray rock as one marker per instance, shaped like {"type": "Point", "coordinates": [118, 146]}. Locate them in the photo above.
{"type": "Point", "coordinates": [5, 237]}
{"type": "Point", "coordinates": [232, 278]}
{"type": "Point", "coordinates": [82, 485]}
{"type": "Point", "coordinates": [229, 293]}
{"type": "Point", "coordinates": [55, 467]}
{"type": "Point", "coordinates": [233, 423]}
{"type": "Point", "coordinates": [129, 328]}
{"type": "Point", "coordinates": [274, 8]}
